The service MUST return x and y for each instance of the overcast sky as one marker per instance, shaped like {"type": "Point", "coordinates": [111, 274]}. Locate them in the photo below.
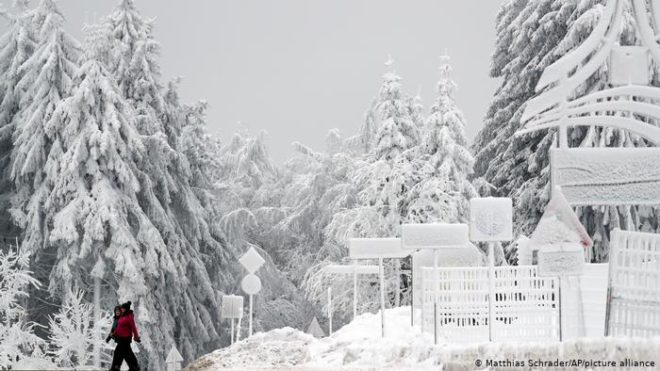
{"type": "Point", "coordinates": [298, 68]}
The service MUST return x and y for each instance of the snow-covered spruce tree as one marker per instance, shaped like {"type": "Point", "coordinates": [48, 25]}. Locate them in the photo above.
{"type": "Point", "coordinates": [45, 80]}
{"type": "Point", "coordinates": [443, 193]}
{"type": "Point", "coordinates": [530, 36]}
{"type": "Point", "coordinates": [396, 131]}
{"type": "Point", "coordinates": [74, 333]}
{"type": "Point", "coordinates": [175, 193]}
{"type": "Point", "coordinates": [133, 60]}
{"type": "Point", "coordinates": [16, 46]}
{"type": "Point", "coordinates": [17, 339]}
{"type": "Point", "coordinates": [97, 226]}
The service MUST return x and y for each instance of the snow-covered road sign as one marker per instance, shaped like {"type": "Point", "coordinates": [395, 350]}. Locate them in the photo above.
{"type": "Point", "coordinates": [251, 260]}
{"type": "Point", "coordinates": [350, 269]}
{"type": "Point", "coordinates": [434, 236]}
{"type": "Point", "coordinates": [374, 248]}
{"type": "Point", "coordinates": [251, 284]}
{"type": "Point", "coordinates": [173, 360]}
{"type": "Point", "coordinates": [232, 306]}
{"type": "Point", "coordinates": [561, 260]}
{"type": "Point", "coordinates": [491, 219]}
{"type": "Point", "coordinates": [607, 176]}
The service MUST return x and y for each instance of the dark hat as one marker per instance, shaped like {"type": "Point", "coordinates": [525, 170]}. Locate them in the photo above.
{"type": "Point", "coordinates": [127, 305]}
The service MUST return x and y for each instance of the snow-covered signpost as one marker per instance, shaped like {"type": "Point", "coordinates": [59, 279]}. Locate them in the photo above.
{"type": "Point", "coordinates": [173, 360]}
{"type": "Point", "coordinates": [491, 220]}
{"type": "Point", "coordinates": [353, 269]}
{"type": "Point", "coordinates": [561, 240]}
{"type": "Point", "coordinates": [378, 248]}
{"type": "Point", "coordinates": [435, 236]}
{"type": "Point", "coordinates": [232, 308]}
{"type": "Point", "coordinates": [251, 284]}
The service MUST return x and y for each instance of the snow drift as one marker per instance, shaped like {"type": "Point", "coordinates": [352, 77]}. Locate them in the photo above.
{"type": "Point", "coordinates": [358, 346]}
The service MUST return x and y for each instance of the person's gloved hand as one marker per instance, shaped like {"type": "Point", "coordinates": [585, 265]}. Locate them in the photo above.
{"type": "Point", "coordinates": [107, 340]}
{"type": "Point", "coordinates": [138, 340]}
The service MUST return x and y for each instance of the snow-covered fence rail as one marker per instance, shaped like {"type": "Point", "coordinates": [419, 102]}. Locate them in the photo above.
{"type": "Point", "coordinates": [634, 284]}
{"type": "Point", "coordinates": [526, 306]}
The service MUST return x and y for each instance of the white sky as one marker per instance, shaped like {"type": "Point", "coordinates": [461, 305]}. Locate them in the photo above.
{"type": "Point", "coordinates": [298, 68]}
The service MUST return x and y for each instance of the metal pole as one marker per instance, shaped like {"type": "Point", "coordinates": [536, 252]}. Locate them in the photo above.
{"type": "Point", "coordinates": [436, 293]}
{"type": "Point", "coordinates": [491, 288]}
{"type": "Point", "coordinates": [381, 273]}
{"type": "Point", "coordinates": [355, 287]}
{"type": "Point", "coordinates": [250, 323]}
{"type": "Point", "coordinates": [330, 311]}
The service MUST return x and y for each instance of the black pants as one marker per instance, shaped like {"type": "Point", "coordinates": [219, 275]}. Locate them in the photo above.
{"type": "Point", "coordinates": [123, 352]}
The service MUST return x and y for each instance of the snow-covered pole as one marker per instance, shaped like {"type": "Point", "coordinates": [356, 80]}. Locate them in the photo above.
{"type": "Point", "coordinates": [250, 322]}
{"type": "Point", "coordinates": [381, 273]}
{"type": "Point", "coordinates": [231, 333]}
{"type": "Point", "coordinates": [436, 293]}
{"type": "Point", "coordinates": [491, 288]}
{"type": "Point", "coordinates": [412, 298]}
{"type": "Point", "coordinates": [330, 311]}
{"type": "Point", "coordinates": [355, 287]}
{"type": "Point", "coordinates": [423, 300]}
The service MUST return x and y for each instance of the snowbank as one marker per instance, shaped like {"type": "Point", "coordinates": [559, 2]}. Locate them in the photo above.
{"type": "Point", "coordinates": [358, 346]}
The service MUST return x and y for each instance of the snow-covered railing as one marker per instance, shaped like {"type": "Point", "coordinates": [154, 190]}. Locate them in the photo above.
{"type": "Point", "coordinates": [526, 306]}
{"type": "Point", "coordinates": [634, 284]}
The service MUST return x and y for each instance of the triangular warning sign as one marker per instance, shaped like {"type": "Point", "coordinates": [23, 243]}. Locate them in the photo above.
{"type": "Point", "coordinates": [315, 329]}
{"type": "Point", "coordinates": [559, 224]}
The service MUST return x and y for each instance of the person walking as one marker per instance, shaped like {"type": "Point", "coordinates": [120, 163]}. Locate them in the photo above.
{"type": "Point", "coordinates": [124, 332]}
{"type": "Point", "coordinates": [116, 314]}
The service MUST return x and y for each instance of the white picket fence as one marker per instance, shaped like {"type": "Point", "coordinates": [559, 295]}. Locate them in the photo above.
{"type": "Point", "coordinates": [634, 284]}
{"type": "Point", "coordinates": [526, 307]}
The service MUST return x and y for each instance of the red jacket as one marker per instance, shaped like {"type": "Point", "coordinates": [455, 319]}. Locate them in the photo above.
{"type": "Point", "coordinates": [126, 327]}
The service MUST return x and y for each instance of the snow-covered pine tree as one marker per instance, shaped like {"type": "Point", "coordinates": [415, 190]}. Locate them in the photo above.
{"type": "Point", "coordinates": [17, 339]}
{"type": "Point", "coordinates": [133, 60]}
{"type": "Point", "coordinates": [530, 36]}
{"type": "Point", "coordinates": [45, 80]}
{"type": "Point", "coordinates": [97, 226]}
{"type": "Point", "coordinates": [175, 194]}
{"type": "Point", "coordinates": [443, 193]}
{"type": "Point", "coordinates": [16, 46]}
{"type": "Point", "coordinates": [74, 332]}
{"type": "Point", "coordinates": [395, 130]}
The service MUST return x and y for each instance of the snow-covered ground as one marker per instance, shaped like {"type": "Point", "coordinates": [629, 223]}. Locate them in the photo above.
{"type": "Point", "coordinates": [358, 346]}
